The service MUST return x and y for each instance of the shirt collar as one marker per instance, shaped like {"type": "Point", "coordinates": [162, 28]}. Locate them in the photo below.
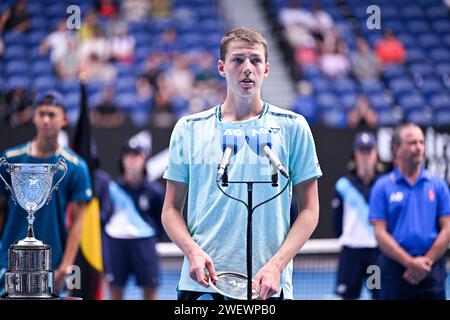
{"type": "Point", "coordinates": [263, 111]}
{"type": "Point", "coordinates": [423, 175]}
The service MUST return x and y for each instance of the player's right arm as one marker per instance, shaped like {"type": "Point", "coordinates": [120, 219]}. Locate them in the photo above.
{"type": "Point", "coordinates": [177, 231]}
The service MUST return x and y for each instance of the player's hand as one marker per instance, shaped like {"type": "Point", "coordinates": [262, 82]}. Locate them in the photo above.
{"type": "Point", "coordinates": [417, 270]}
{"type": "Point", "coordinates": [267, 281]}
{"type": "Point", "coordinates": [198, 262]}
{"type": "Point", "coordinates": [60, 277]}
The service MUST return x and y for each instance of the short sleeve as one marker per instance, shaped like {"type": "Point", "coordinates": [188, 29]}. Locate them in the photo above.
{"type": "Point", "coordinates": [80, 184]}
{"type": "Point", "coordinates": [377, 203]}
{"type": "Point", "coordinates": [178, 164]}
{"type": "Point", "coordinates": [444, 199]}
{"type": "Point", "coordinates": [303, 162]}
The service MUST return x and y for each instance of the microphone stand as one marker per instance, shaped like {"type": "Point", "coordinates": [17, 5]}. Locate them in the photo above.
{"type": "Point", "coordinates": [250, 210]}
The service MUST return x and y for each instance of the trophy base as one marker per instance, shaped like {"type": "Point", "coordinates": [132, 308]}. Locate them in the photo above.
{"type": "Point", "coordinates": [52, 297]}
{"type": "Point", "coordinates": [30, 284]}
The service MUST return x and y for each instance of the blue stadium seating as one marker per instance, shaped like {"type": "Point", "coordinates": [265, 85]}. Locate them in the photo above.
{"type": "Point", "coordinates": [413, 101]}
{"type": "Point", "coordinates": [388, 117]}
{"type": "Point", "coordinates": [422, 117]}
{"type": "Point", "coordinates": [441, 117]}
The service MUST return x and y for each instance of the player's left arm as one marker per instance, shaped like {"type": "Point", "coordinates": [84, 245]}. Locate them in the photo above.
{"type": "Point", "coordinates": [307, 196]}
{"type": "Point", "coordinates": [72, 243]}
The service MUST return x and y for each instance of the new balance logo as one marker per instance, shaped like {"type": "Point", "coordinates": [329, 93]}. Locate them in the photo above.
{"type": "Point", "coordinates": [396, 197]}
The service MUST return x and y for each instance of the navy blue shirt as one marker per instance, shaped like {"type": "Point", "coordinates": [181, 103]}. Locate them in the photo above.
{"type": "Point", "coordinates": [411, 211]}
{"type": "Point", "coordinates": [148, 199]}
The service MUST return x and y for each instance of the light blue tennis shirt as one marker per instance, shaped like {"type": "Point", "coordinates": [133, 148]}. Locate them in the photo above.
{"type": "Point", "coordinates": [217, 223]}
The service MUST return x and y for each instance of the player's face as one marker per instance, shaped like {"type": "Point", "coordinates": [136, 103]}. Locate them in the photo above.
{"type": "Point", "coordinates": [366, 160]}
{"type": "Point", "coordinates": [244, 68]}
{"type": "Point", "coordinates": [412, 149]}
{"type": "Point", "coordinates": [133, 162]}
{"type": "Point", "coordinates": [49, 120]}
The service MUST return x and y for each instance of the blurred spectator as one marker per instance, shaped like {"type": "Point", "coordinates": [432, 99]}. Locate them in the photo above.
{"type": "Point", "coordinates": [323, 24]}
{"type": "Point", "coordinates": [107, 114]}
{"type": "Point", "coordinates": [334, 61]}
{"type": "Point", "coordinates": [135, 10]}
{"type": "Point", "coordinates": [304, 103]}
{"type": "Point", "coordinates": [365, 65]}
{"type": "Point", "coordinates": [68, 65]}
{"type": "Point", "coordinates": [96, 45]}
{"type": "Point", "coordinates": [152, 68]}
{"type": "Point", "coordinates": [390, 50]}
{"type": "Point", "coordinates": [15, 18]}
{"type": "Point", "coordinates": [144, 101]}
{"type": "Point", "coordinates": [181, 76]}
{"type": "Point", "coordinates": [362, 117]}
{"type": "Point", "coordinates": [106, 8]}
{"type": "Point", "coordinates": [57, 42]}
{"type": "Point", "coordinates": [204, 95]}
{"type": "Point", "coordinates": [17, 107]}
{"type": "Point", "coordinates": [88, 25]}
{"type": "Point", "coordinates": [160, 9]}
{"type": "Point", "coordinates": [163, 111]}
{"type": "Point", "coordinates": [294, 14]}
{"type": "Point", "coordinates": [206, 66]}
{"type": "Point", "coordinates": [96, 69]}
{"type": "Point", "coordinates": [169, 42]}
{"type": "Point", "coordinates": [299, 36]}
{"type": "Point", "coordinates": [122, 45]}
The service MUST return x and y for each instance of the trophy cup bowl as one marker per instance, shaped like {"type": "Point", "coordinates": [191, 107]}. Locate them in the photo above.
{"type": "Point", "coordinates": [29, 272]}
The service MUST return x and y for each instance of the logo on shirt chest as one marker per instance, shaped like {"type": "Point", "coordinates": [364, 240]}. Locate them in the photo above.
{"type": "Point", "coordinates": [144, 203]}
{"type": "Point", "coordinates": [431, 195]}
{"type": "Point", "coordinates": [396, 197]}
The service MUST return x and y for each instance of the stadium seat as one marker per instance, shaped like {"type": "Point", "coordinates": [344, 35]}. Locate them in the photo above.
{"type": "Point", "coordinates": [440, 101]}
{"type": "Point", "coordinates": [412, 101]}
{"type": "Point", "coordinates": [343, 86]}
{"type": "Point", "coordinates": [17, 67]}
{"type": "Point", "coordinates": [44, 83]}
{"type": "Point", "coordinates": [441, 26]}
{"type": "Point", "coordinates": [388, 117]}
{"type": "Point", "coordinates": [437, 12]}
{"type": "Point", "coordinates": [441, 117]}
{"type": "Point", "coordinates": [415, 55]}
{"type": "Point", "coordinates": [326, 101]}
{"type": "Point", "coordinates": [393, 71]}
{"type": "Point", "coordinates": [372, 86]}
{"type": "Point", "coordinates": [15, 52]}
{"type": "Point", "coordinates": [422, 69]}
{"type": "Point", "coordinates": [334, 118]}
{"type": "Point", "coordinates": [440, 55]}
{"type": "Point", "coordinates": [422, 117]}
{"type": "Point", "coordinates": [17, 81]}
{"type": "Point", "coordinates": [429, 41]}
{"type": "Point", "coordinates": [380, 101]}
{"type": "Point", "coordinates": [401, 86]}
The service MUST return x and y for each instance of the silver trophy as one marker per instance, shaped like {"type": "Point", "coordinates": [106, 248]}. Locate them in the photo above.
{"type": "Point", "coordinates": [29, 272]}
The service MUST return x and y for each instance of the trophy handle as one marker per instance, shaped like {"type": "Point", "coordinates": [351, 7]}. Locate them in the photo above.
{"type": "Point", "coordinates": [5, 163]}
{"type": "Point", "coordinates": [61, 164]}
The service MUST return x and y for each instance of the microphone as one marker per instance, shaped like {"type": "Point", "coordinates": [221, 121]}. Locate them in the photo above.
{"type": "Point", "coordinates": [232, 141]}
{"type": "Point", "coordinates": [260, 141]}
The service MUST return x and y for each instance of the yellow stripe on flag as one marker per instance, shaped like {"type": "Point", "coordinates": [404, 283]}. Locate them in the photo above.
{"type": "Point", "coordinates": [91, 238]}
